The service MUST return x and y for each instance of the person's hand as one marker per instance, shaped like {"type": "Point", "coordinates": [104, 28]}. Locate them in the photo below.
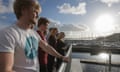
{"type": "Point", "coordinates": [66, 59]}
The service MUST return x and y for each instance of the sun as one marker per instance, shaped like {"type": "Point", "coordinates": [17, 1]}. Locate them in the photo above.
{"type": "Point", "coordinates": [104, 23]}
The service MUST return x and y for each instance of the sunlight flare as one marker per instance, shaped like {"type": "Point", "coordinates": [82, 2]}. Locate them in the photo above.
{"type": "Point", "coordinates": [104, 23]}
{"type": "Point", "coordinates": [103, 55]}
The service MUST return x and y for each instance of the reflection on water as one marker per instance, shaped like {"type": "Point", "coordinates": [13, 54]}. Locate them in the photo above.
{"type": "Point", "coordinates": [97, 68]}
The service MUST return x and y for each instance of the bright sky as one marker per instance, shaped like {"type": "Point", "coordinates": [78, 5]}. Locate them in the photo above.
{"type": "Point", "coordinates": [82, 18]}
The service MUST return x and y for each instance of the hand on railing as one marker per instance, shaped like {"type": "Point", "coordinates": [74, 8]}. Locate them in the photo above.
{"type": "Point", "coordinates": [66, 59]}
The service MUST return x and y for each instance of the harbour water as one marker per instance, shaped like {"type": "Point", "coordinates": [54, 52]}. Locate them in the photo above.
{"type": "Point", "coordinates": [93, 67]}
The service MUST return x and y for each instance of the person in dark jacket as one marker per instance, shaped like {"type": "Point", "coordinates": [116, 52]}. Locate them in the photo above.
{"type": "Point", "coordinates": [52, 41]}
{"type": "Point", "coordinates": [60, 47]}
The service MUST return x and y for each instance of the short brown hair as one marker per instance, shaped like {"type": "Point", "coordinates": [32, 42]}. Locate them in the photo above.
{"type": "Point", "coordinates": [53, 28]}
{"type": "Point", "coordinates": [43, 21]}
{"type": "Point", "coordinates": [19, 5]}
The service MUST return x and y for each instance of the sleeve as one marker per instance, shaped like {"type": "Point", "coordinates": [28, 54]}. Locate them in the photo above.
{"type": "Point", "coordinates": [51, 41]}
{"type": "Point", "coordinates": [7, 42]}
{"type": "Point", "coordinates": [63, 44]}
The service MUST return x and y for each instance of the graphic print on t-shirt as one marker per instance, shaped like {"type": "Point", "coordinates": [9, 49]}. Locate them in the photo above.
{"type": "Point", "coordinates": [31, 47]}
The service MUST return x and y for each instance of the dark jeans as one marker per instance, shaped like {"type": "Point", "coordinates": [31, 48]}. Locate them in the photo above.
{"type": "Point", "coordinates": [43, 68]}
{"type": "Point", "coordinates": [58, 63]}
{"type": "Point", "coordinates": [51, 63]}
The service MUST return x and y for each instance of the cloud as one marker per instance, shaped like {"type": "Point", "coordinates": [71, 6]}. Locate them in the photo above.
{"type": "Point", "coordinates": [67, 27]}
{"type": "Point", "coordinates": [117, 28]}
{"type": "Point", "coordinates": [66, 8]}
{"type": "Point", "coordinates": [6, 8]}
{"type": "Point", "coordinates": [118, 13]}
{"type": "Point", "coordinates": [54, 23]}
{"type": "Point", "coordinates": [73, 27]}
{"type": "Point", "coordinates": [110, 2]}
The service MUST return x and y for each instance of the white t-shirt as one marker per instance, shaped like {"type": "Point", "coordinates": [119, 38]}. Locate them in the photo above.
{"type": "Point", "coordinates": [24, 45]}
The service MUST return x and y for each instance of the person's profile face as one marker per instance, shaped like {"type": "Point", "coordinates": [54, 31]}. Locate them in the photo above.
{"type": "Point", "coordinates": [44, 27]}
{"type": "Point", "coordinates": [32, 15]}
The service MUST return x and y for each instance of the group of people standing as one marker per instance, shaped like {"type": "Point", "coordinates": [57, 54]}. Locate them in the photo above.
{"type": "Point", "coordinates": [21, 46]}
{"type": "Point", "coordinates": [53, 38]}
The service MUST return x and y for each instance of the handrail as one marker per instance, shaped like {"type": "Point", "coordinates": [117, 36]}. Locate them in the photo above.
{"type": "Point", "coordinates": [65, 67]}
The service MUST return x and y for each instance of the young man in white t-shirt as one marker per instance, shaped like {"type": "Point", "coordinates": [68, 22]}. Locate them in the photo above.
{"type": "Point", "coordinates": [19, 43]}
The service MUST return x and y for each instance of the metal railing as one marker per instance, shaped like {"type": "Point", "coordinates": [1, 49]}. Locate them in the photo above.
{"type": "Point", "coordinates": [66, 67]}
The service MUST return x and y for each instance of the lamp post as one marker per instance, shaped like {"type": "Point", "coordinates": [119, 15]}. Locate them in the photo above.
{"type": "Point", "coordinates": [109, 68]}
